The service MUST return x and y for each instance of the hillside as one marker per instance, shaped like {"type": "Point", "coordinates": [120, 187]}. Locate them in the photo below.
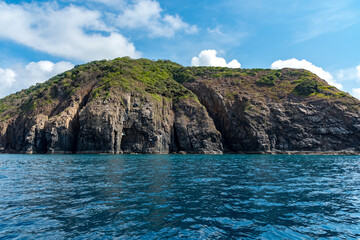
{"type": "Point", "coordinates": [144, 106]}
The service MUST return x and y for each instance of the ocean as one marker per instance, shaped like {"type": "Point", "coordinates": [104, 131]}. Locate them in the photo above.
{"type": "Point", "coordinates": [179, 197]}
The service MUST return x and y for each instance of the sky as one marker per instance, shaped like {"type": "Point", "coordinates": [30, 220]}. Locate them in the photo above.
{"type": "Point", "coordinates": [39, 39]}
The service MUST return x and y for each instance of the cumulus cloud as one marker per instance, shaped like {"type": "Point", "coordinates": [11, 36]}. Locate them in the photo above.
{"type": "Point", "coordinates": [7, 77]}
{"type": "Point", "coordinates": [71, 32]}
{"type": "Point", "coordinates": [303, 64]}
{"type": "Point", "coordinates": [209, 58]}
{"type": "Point", "coordinates": [22, 77]}
{"type": "Point", "coordinates": [146, 14]}
{"type": "Point", "coordinates": [37, 72]}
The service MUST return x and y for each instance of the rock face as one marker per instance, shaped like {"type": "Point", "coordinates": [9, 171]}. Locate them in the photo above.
{"type": "Point", "coordinates": [262, 123]}
{"type": "Point", "coordinates": [249, 126]}
{"type": "Point", "coordinates": [141, 106]}
{"type": "Point", "coordinates": [141, 125]}
{"type": "Point", "coordinates": [128, 121]}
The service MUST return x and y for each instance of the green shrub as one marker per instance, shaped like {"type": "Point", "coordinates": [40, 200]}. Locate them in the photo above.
{"type": "Point", "coordinates": [277, 73]}
{"type": "Point", "coordinates": [270, 78]}
{"type": "Point", "coordinates": [307, 87]}
{"type": "Point", "coordinates": [341, 94]}
{"type": "Point", "coordinates": [182, 75]}
{"type": "Point", "coordinates": [267, 80]}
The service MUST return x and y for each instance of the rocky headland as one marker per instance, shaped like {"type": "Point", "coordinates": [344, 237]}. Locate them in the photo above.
{"type": "Point", "coordinates": [143, 106]}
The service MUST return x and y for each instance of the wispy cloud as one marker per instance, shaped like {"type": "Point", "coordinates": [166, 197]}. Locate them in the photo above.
{"type": "Point", "coordinates": [215, 31]}
{"type": "Point", "coordinates": [326, 18]}
{"type": "Point", "coordinates": [348, 74]}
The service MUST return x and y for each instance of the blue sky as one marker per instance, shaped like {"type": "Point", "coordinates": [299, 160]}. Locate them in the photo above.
{"type": "Point", "coordinates": [39, 39]}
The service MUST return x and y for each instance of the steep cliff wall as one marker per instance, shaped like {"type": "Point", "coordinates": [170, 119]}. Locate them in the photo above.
{"type": "Point", "coordinates": [142, 106]}
{"type": "Point", "coordinates": [94, 109]}
{"type": "Point", "coordinates": [277, 118]}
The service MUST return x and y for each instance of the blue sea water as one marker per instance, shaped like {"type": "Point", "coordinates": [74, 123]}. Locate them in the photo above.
{"type": "Point", "coordinates": [179, 196]}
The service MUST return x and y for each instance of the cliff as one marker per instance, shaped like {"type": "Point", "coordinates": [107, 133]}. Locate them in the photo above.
{"type": "Point", "coordinates": [143, 106]}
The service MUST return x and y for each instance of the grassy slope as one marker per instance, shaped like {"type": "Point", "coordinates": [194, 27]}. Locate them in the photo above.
{"type": "Point", "coordinates": [107, 79]}
{"type": "Point", "coordinates": [272, 85]}
{"type": "Point", "coordinates": [161, 79]}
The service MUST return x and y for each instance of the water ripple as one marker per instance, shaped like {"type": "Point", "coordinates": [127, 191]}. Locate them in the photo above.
{"type": "Point", "coordinates": [187, 196]}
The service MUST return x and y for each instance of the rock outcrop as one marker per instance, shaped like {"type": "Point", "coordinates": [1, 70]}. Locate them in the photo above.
{"type": "Point", "coordinates": [263, 119]}
{"type": "Point", "coordinates": [142, 106]}
{"type": "Point", "coordinates": [90, 112]}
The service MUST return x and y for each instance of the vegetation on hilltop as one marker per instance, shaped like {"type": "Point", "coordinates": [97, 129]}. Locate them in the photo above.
{"type": "Point", "coordinates": [106, 78]}
{"type": "Point", "coordinates": [267, 83]}
{"type": "Point", "coordinates": [164, 79]}
{"type": "Point", "coordinates": [142, 75]}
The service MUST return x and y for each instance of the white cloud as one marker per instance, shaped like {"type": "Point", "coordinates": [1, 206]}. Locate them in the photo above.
{"type": "Point", "coordinates": [22, 77]}
{"type": "Point", "coordinates": [234, 64]}
{"type": "Point", "coordinates": [7, 77]}
{"type": "Point", "coordinates": [71, 32]}
{"type": "Point", "coordinates": [348, 74]}
{"type": "Point", "coordinates": [111, 3]}
{"type": "Point", "coordinates": [209, 58]}
{"type": "Point", "coordinates": [356, 92]}
{"type": "Point", "coordinates": [37, 72]}
{"type": "Point", "coordinates": [303, 64]}
{"type": "Point", "coordinates": [215, 31]}
{"type": "Point", "coordinates": [147, 14]}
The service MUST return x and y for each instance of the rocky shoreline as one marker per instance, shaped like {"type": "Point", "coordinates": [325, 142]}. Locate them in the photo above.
{"type": "Point", "coordinates": [326, 153]}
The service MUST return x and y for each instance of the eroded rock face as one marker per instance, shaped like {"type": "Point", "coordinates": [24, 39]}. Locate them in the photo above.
{"type": "Point", "coordinates": [194, 129]}
{"type": "Point", "coordinates": [250, 124]}
{"type": "Point", "coordinates": [133, 124]}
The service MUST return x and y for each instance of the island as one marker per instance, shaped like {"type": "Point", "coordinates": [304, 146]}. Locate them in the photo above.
{"type": "Point", "coordinates": [125, 106]}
